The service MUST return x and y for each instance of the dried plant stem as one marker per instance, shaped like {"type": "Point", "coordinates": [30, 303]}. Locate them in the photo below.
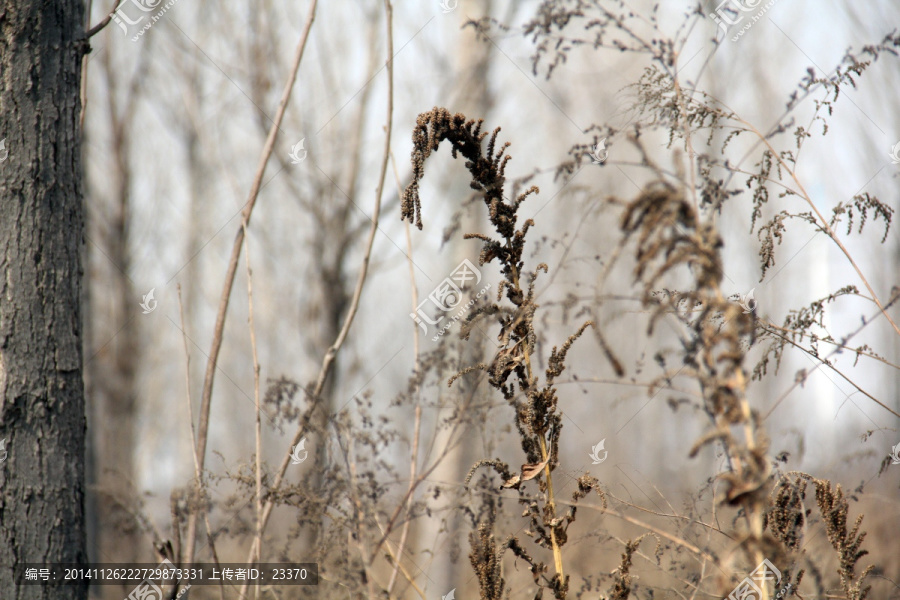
{"type": "Point", "coordinates": [701, 578]}
{"type": "Point", "coordinates": [453, 440]}
{"type": "Point", "coordinates": [414, 292]}
{"type": "Point", "coordinates": [551, 500]}
{"type": "Point", "coordinates": [422, 477]}
{"type": "Point", "coordinates": [187, 382]}
{"type": "Point", "coordinates": [778, 331]}
{"type": "Point", "coordinates": [414, 452]}
{"type": "Point", "coordinates": [754, 510]}
{"type": "Point", "coordinates": [99, 26]}
{"type": "Point", "coordinates": [413, 459]}
{"type": "Point", "coordinates": [537, 418]}
{"type": "Point", "coordinates": [206, 397]}
{"type": "Point", "coordinates": [212, 550]}
{"type": "Point", "coordinates": [190, 407]}
{"type": "Point", "coordinates": [709, 528]}
{"type": "Point", "coordinates": [824, 222]}
{"type": "Point", "coordinates": [660, 532]}
{"type": "Point", "coordinates": [825, 361]}
{"type": "Point", "coordinates": [653, 529]}
{"type": "Point", "coordinates": [258, 435]}
{"type": "Point", "coordinates": [395, 557]}
{"type": "Point", "coordinates": [328, 359]}
{"type": "Point", "coordinates": [679, 98]}
{"type": "Point", "coordinates": [557, 551]}
{"type": "Point", "coordinates": [361, 537]}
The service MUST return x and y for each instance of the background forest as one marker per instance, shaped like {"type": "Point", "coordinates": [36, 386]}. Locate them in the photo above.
{"type": "Point", "coordinates": [671, 344]}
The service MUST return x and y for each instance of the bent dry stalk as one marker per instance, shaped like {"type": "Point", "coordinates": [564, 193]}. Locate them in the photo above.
{"type": "Point", "coordinates": [536, 417]}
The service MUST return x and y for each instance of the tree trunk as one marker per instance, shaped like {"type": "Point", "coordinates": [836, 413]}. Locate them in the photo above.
{"type": "Point", "coordinates": [42, 414]}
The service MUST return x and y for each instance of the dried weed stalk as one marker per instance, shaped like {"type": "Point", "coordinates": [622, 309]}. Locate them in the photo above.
{"type": "Point", "coordinates": [536, 416]}
{"type": "Point", "coordinates": [672, 224]}
{"type": "Point", "coordinates": [834, 508]}
{"type": "Point", "coordinates": [669, 236]}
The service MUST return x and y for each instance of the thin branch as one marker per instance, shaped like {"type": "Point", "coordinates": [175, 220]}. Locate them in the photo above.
{"type": "Point", "coordinates": [395, 557]}
{"type": "Point", "coordinates": [824, 226]}
{"type": "Point", "coordinates": [258, 436]}
{"type": "Point", "coordinates": [672, 538]}
{"type": "Point", "coordinates": [770, 326]}
{"type": "Point", "coordinates": [190, 406]}
{"type": "Point", "coordinates": [414, 453]}
{"type": "Point", "coordinates": [99, 26]}
{"type": "Point", "coordinates": [361, 537]}
{"type": "Point", "coordinates": [187, 382]}
{"type": "Point", "coordinates": [328, 359]}
{"type": "Point", "coordinates": [206, 398]}
{"type": "Point", "coordinates": [679, 99]}
{"type": "Point", "coordinates": [838, 372]}
{"type": "Point", "coordinates": [844, 340]}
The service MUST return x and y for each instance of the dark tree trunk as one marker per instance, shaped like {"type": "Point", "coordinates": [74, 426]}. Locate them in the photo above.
{"type": "Point", "coordinates": [42, 414]}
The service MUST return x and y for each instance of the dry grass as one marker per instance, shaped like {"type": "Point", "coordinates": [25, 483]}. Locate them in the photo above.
{"type": "Point", "coordinates": [354, 514]}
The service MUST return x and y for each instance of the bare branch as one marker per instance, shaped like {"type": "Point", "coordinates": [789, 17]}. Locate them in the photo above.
{"type": "Point", "coordinates": [206, 397]}
{"type": "Point", "coordinates": [99, 26]}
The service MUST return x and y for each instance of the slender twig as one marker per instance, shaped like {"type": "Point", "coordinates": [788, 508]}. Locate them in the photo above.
{"type": "Point", "coordinates": [209, 378]}
{"type": "Point", "coordinates": [328, 359]}
{"type": "Point", "coordinates": [212, 550]}
{"type": "Point", "coordinates": [414, 452]}
{"type": "Point", "coordinates": [653, 385]}
{"type": "Point", "coordinates": [413, 459]}
{"type": "Point", "coordinates": [454, 439]}
{"type": "Point", "coordinates": [679, 98]}
{"type": "Point", "coordinates": [824, 226]}
{"type": "Point", "coordinates": [360, 536]}
{"type": "Point", "coordinates": [551, 501]}
{"type": "Point", "coordinates": [828, 364]}
{"type": "Point", "coordinates": [672, 538]}
{"type": "Point", "coordinates": [190, 406]}
{"type": "Point", "coordinates": [606, 510]}
{"type": "Point", "coordinates": [255, 354]}
{"type": "Point", "coordinates": [672, 515]}
{"type": "Point", "coordinates": [99, 26]}
{"type": "Point", "coordinates": [395, 557]}
{"type": "Point", "coordinates": [770, 327]}
{"type": "Point", "coordinates": [844, 340]}
{"type": "Point", "coordinates": [187, 382]}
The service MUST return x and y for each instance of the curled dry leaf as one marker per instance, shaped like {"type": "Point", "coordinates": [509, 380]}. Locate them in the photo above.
{"type": "Point", "coordinates": [512, 482]}
{"type": "Point", "coordinates": [531, 471]}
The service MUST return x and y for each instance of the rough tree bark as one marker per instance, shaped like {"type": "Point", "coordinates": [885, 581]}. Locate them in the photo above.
{"type": "Point", "coordinates": [42, 414]}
